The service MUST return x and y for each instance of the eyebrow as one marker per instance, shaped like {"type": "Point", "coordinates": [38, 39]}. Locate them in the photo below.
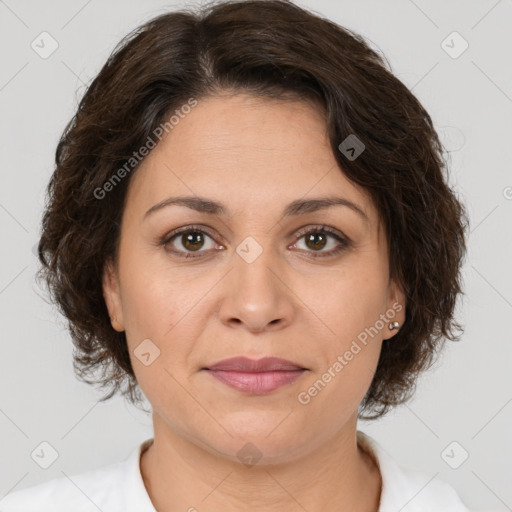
{"type": "Point", "coordinates": [295, 208]}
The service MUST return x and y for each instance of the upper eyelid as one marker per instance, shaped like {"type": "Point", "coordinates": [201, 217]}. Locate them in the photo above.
{"type": "Point", "coordinates": [186, 229]}
{"type": "Point", "coordinates": [299, 233]}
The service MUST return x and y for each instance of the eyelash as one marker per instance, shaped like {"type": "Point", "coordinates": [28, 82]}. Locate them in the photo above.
{"type": "Point", "coordinates": [344, 242]}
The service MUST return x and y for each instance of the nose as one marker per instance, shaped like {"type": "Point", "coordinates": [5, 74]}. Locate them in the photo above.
{"type": "Point", "coordinates": [256, 296]}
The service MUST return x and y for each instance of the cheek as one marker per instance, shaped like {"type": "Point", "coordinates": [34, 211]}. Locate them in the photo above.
{"type": "Point", "coordinates": [352, 311]}
{"type": "Point", "coordinates": [339, 385]}
{"type": "Point", "coordinates": [168, 313]}
{"type": "Point", "coordinates": [352, 302]}
{"type": "Point", "coordinates": [151, 297]}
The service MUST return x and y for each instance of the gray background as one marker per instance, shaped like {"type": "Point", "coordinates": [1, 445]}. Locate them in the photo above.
{"type": "Point", "coordinates": [466, 398]}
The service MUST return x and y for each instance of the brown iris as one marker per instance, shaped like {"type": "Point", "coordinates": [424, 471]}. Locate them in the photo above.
{"type": "Point", "coordinates": [193, 240]}
{"type": "Point", "coordinates": [312, 239]}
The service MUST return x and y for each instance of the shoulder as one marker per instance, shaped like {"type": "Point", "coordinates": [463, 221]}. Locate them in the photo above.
{"type": "Point", "coordinates": [110, 488]}
{"type": "Point", "coordinates": [422, 493]}
{"type": "Point", "coordinates": [407, 489]}
{"type": "Point", "coordinates": [82, 492]}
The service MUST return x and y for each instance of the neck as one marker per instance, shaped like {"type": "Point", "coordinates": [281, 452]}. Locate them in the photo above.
{"type": "Point", "coordinates": [180, 475]}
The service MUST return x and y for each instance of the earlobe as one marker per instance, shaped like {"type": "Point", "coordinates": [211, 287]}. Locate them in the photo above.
{"type": "Point", "coordinates": [395, 309]}
{"type": "Point", "coordinates": [112, 297]}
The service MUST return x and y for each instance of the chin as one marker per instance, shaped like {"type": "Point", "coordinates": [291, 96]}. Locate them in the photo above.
{"type": "Point", "coordinates": [268, 443]}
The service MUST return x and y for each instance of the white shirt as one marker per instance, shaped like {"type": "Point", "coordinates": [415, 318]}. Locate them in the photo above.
{"type": "Point", "coordinates": [119, 487]}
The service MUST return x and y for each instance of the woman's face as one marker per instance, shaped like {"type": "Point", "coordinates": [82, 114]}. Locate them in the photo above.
{"type": "Point", "coordinates": [255, 284]}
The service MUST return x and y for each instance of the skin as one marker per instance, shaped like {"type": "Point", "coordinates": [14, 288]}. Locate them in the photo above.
{"type": "Point", "coordinates": [254, 156]}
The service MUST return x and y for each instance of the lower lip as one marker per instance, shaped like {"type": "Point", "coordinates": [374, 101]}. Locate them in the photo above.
{"type": "Point", "coordinates": [256, 382]}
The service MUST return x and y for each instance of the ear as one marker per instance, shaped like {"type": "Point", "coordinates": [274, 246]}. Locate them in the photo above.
{"type": "Point", "coordinates": [112, 296]}
{"type": "Point", "coordinates": [396, 307]}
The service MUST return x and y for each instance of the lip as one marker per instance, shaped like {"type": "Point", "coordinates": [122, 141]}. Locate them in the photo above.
{"type": "Point", "coordinates": [247, 365]}
{"type": "Point", "coordinates": [256, 376]}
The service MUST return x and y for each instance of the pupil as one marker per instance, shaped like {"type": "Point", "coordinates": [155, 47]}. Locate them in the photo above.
{"type": "Point", "coordinates": [314, 237]}
{"type": "Point", "coordinates": [313, 240]}
{"type": "Point", "coordinates": [189, 243]}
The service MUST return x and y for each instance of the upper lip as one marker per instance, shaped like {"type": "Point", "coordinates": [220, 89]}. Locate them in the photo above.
{"type": "Point", "coordinates": [265, 364]}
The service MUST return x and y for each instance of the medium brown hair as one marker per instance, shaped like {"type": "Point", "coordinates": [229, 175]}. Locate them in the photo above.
{"type": "Point", "coordinates": [273, 49]}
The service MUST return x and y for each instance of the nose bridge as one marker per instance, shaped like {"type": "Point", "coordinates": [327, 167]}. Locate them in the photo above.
{"type": "Point", "coordinates": [255, 294]}
{"type": "Point", "coordinates": [255, 266]}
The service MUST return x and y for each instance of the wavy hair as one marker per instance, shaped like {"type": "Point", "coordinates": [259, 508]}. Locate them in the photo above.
{"type": "Point", "coordinates": [273, 49]}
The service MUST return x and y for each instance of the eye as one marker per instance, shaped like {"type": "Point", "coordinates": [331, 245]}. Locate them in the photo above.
{"type": "Point", "coordinates": [317, 238]}
{"type": "Point", "coordinates": [184, 242]}
{"type": "Point", "coordinates": [191, 239]}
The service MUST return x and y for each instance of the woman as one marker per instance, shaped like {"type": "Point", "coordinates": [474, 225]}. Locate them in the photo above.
{"type": "Point", "coordinates": [249, 223]}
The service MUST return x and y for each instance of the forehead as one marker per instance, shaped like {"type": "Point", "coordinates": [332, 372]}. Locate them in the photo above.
{"type": "Point", "coordinates": [248, 153]}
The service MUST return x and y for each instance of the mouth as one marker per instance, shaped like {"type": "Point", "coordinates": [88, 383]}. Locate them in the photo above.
{"type": "Point", "coordinates": [256, 376]}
